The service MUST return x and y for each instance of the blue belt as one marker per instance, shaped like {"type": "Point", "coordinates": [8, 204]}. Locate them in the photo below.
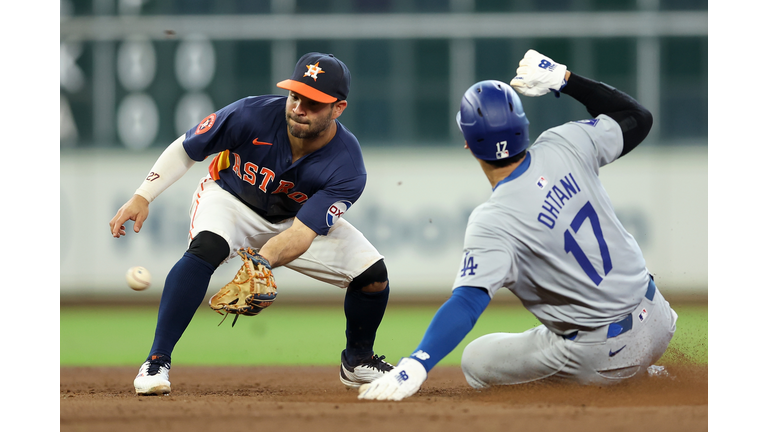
{"type": "Point", "coordinates": [625, 324]}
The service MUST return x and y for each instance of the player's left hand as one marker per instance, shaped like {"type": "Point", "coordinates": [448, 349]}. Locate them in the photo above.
{"type": "Point", "coordinates": [538, 74]}
{"type": "Point", "coordinates": [399, 383]}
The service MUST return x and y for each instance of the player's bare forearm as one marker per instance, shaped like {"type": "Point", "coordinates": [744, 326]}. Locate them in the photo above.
{"type": "Point", "coordinates": [136, 209]}
{"type": "Point", "coordinates": [288, 245]}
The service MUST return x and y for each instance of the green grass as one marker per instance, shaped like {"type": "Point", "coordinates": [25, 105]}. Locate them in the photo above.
{"type": "Point", "coordinates": [690, 343]}
{"type": "Point", "coordinates": [299, 335]}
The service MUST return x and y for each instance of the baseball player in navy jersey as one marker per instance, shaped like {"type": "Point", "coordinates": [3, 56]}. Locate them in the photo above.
{"type": "Point", "coordinates": [549, 234]}
{"type": "Point", "coordinates": [283, 172]}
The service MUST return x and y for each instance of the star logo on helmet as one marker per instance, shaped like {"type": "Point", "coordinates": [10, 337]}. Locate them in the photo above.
{"type": "Point", "coordinates": [313, 70]}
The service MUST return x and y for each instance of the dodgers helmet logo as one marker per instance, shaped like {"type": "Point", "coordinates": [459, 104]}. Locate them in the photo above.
{"type": "Point", "coordinates": [335, 211]}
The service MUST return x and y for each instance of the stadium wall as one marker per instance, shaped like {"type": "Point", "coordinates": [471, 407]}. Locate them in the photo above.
{"type": "Point", "coordinates": [414, 209]}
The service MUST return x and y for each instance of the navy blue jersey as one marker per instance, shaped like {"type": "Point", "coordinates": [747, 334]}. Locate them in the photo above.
{"type": "Point", "coordinates": [253, 162]}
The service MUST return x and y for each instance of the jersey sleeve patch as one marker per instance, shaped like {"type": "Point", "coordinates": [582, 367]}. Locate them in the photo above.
{"type": "Point", "coordinates": [335, 211]}
{"type": "Point", "coordinates": [206, 124]}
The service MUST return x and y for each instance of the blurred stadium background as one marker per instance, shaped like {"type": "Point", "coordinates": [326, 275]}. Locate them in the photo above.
{"type": "Point", "coordinates": [136, 74]}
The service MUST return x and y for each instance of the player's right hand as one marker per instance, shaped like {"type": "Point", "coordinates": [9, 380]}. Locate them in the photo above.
{"type": "Point", "coordinates": [399, 383]}
{"type": "Point", "coordinates": [538, 74]}
{"type": "Point", "coordinates": [136, 209]}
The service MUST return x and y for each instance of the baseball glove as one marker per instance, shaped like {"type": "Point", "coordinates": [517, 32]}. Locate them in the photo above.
{"type": "Point", "coordinates": [252, 290]}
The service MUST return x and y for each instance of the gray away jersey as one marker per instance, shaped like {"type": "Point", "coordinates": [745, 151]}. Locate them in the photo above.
{"type": "Point", "coordinates": [550, 235]}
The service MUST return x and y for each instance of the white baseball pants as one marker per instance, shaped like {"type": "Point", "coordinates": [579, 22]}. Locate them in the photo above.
{"type": "Point", "coordinates": [336, 258]}
{"type": "Point", "coordinates": [590, 357]}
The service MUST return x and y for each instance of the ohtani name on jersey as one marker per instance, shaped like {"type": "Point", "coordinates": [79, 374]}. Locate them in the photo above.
{"type": "Point", "coordinates": [251, 173]}
{"type": "Point", "coordinates": [557, 198]}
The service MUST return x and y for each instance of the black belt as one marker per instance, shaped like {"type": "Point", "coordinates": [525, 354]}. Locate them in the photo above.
{"type": "Point", "coordinates": [625, 324]}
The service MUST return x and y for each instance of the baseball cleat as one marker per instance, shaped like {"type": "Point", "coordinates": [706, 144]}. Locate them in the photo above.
{"type": "Point", "coordinates": [153, 377]}
{"type": "Point", "coordinates": [367, 370]}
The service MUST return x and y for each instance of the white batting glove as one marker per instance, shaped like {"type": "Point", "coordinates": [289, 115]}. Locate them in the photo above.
{"type": "Point", "coordinates": [399, 383]}
{"type": "Point", "coordinates": [538, 74]}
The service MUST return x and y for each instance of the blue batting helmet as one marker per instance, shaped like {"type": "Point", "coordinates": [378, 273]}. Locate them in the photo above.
{"type": "Point", "coordinates": [492, 121]}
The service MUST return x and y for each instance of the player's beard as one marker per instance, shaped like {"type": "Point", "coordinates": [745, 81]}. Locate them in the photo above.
{"type": "Point", "coordinates": [313, 128]}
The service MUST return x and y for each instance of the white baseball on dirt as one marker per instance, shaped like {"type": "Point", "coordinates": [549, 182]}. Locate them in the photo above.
{"type": "Point", "coordinates": [138, 278]}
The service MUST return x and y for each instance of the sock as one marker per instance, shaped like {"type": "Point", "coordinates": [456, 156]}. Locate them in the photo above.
{"type": "Point", "coordinates": [364, 312]}
{"type": "Point", "coordinates": [184, 291]}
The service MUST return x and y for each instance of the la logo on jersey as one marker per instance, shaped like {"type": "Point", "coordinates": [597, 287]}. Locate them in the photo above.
{"type": "Point", "coordinates": [313, 70]}
{"type": "Point", "coordinates": [335, 211]}
{"type": "Point", "coordinates": [469, 266]}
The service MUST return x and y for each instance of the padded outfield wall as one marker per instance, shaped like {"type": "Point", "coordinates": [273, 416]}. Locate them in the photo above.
{"type": "Point", "coordinates": [414, 209]}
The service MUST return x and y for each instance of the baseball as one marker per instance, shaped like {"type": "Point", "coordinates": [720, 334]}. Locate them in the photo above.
{"type": "Point", "coordinates": [138, 278]}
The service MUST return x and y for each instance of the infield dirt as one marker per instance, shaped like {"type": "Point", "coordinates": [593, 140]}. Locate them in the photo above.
{"type": "Point", "coordinates": [285, 399]}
